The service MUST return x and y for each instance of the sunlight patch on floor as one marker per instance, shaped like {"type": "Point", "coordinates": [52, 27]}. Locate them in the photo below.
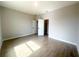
{"type": "Point", "coordinates": [33, 45]}
{"type": "Point", "coordinates": [26, 49]}
{"type": "Point", "coordinates": [22, 50]}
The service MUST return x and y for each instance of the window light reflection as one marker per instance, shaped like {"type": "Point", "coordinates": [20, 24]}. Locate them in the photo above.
{"type": "Point", "coordinates": [26, 49]}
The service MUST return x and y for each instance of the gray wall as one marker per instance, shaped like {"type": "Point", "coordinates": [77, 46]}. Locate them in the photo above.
{"type": "Point", "coordinates": [0, 31]}
{"type": "Point", "coordinates": [63, 24]}
{"type": "Point", "coordinates": [78, 23]}
{"type": "Point", "coordinates": [17, 24]}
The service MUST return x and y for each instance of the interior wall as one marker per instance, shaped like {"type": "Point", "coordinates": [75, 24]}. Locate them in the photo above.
{"type": "Point", "coordinates": [63, 24]}
{"type": "Point", "coordinates": [16, 24]}
{"type": "Point", "coordinates": [78, 23]}
{"type": "Point", "coordinates": [0, 31]}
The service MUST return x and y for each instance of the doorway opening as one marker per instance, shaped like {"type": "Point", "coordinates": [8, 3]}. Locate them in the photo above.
{"type": "Point", "coordinates": [46, 27]}
{"type": "Point", "coordinates": [42, 27]}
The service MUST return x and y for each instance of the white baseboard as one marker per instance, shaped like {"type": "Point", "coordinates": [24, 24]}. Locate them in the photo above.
{"type": "Point", "coordinates": [18, 36]}
{"type": "Point", "coordinates": [64, 41]}
{"type": "Point", "coordinates": [48, 36]}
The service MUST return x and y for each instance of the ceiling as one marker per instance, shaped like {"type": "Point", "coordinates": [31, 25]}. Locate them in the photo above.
{"type": "Point", "coordinates": [36, 7]}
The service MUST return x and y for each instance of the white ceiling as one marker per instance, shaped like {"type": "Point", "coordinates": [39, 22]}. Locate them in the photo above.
{"type": "Point", "coordinates": [31, 8]}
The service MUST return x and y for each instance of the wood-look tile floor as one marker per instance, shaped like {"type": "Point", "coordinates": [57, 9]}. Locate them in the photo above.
{"type": "Point", "coordinates": [34, 46]}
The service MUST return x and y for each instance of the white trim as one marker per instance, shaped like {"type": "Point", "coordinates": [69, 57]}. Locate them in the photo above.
{"type": "Point", "coordinates": [48, 36]}
{"type": "Point", "coordinates": [63, 41]}
{"type": "Point", "coordinates": [66, 42]}
{"type": "Point", "coordinates": [18, 36]}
